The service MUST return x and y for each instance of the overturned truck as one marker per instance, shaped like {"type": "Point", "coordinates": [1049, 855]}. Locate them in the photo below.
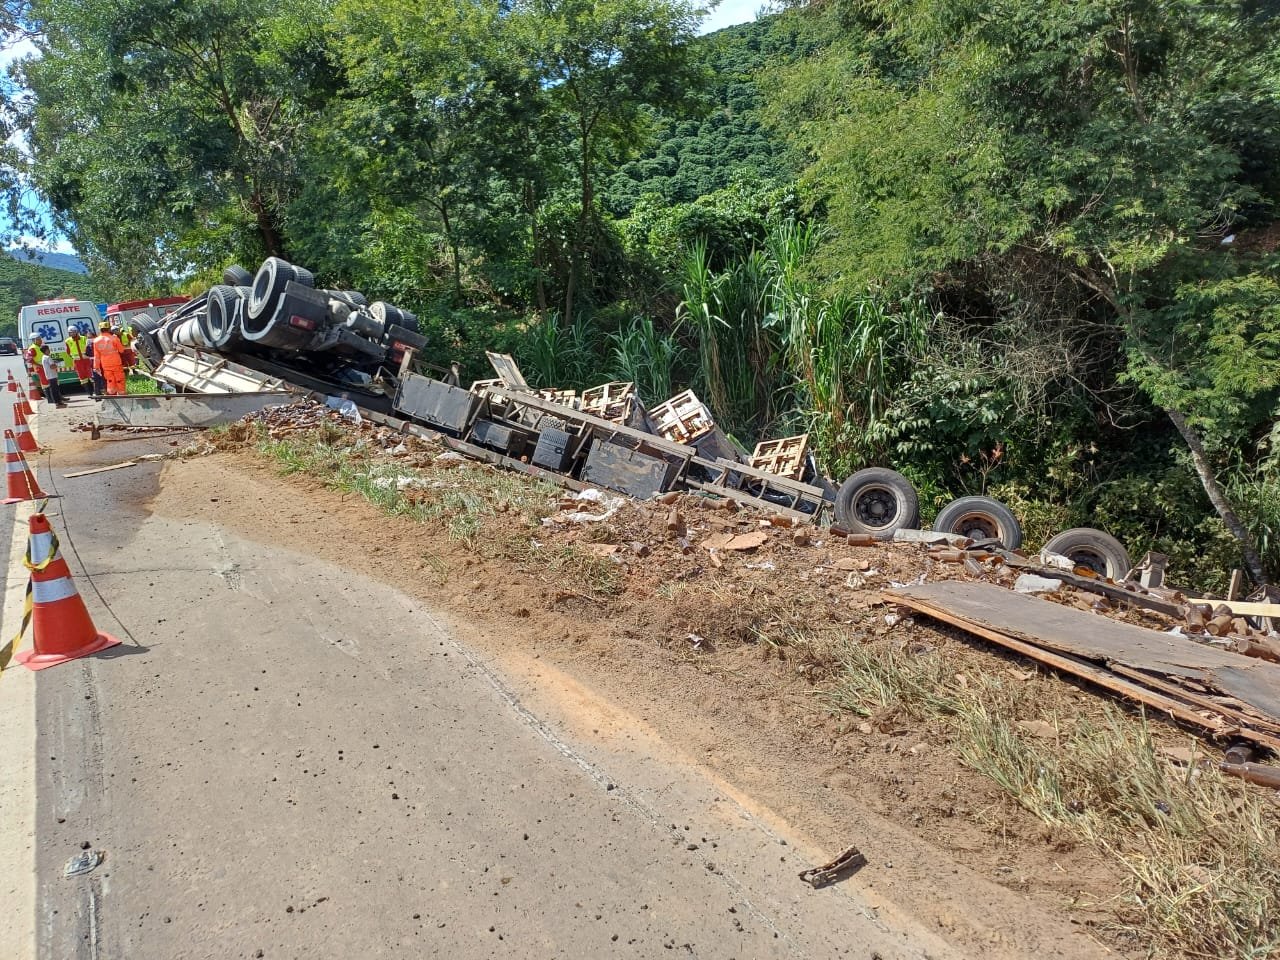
{"type": "Point", "coordinates": [278, 322]}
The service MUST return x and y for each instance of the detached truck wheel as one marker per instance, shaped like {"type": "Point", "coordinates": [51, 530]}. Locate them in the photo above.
{"type": "Point", "coordinates": [1086, 547]}
{"type": "Point", "coordinates": [877, 501]}
{"type": "Point", "coordinates": [980, 518]}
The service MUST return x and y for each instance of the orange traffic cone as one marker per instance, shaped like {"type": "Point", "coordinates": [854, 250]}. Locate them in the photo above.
{"type": "Point", "coordinates": [61, 628]}
{"type": "Point", "coordinates": [13, 384]}
{"type": "Point", "coordinates": [21, 429]}
{"type": "Point", "coordinates": [25, 404]}
{"type": "Point", "coordinates": [22, 483]}
{"type": "Point", "coordinates": [34, 392]}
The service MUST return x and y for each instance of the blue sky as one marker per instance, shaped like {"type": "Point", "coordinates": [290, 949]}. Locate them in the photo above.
{"type": "Point", "coordinates": [726, 14]}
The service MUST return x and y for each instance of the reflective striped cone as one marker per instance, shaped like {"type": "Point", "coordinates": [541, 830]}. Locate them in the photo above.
{"type": "Point", "coordinates": [27, 408]}
{"type": "Point", "coordinates": [22, 482]}
{"type": "Point", "coordinates": [13, 384]}
{"type": "Point", "coordinates": [61, 628]}
{"type": "Point", "coordinates": [22, 430]}
{"type": "Point", "coordinates": [34, 392]}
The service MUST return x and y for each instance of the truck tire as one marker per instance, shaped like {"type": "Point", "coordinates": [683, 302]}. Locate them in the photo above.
{"type": "Point", "coordinates": [1100, 552]}
{"type": "Point", "coordinates": [980, 518]}
{"type": "Point", "coordinates": [393, 316]}
{"type": "Point", "coordinates": [877, 501]}
{"type": "Point", "coordinates": [269, 283]}
{"type": "Point", "coordinates": [237, 276]}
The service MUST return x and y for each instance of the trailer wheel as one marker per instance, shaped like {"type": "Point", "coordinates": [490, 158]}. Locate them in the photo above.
{"type": "Point", "coordinates": [980, 518]}
{"type": "Point", "coordinates": [877, 501]}
{"type": "Point", "coordinates": [1100, 552]}
{"type": "Point", "coordinates": [237, 276]}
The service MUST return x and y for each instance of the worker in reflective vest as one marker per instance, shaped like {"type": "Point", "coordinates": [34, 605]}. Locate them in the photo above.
{"type": "Point", "coordinates": [108, 359]}
{"type": "Point", "coordinates": [130, 356]}
{"type": "Point", "coordinates": [37, 359]}
{"type": "Point", "coordinates": [77, 353]}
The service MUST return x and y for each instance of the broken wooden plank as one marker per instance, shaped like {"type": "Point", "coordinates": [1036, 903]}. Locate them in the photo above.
{"type": "Point", "coordinates": [88, 473]}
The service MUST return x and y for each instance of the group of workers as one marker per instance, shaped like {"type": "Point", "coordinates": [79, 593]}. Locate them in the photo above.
{"type": "Point", "coordinates": [100, 363]}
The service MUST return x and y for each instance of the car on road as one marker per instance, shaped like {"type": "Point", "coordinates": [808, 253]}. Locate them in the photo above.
{"type": "Point", "coordinates": [8, 346]}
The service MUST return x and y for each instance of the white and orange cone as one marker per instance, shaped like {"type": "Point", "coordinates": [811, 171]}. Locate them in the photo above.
{"type": "Point", "coordinates": [22, 430]}
{"type": "Point", "coordinates": [61, 628]}
{"type": "Point", "coordinates": [22, 482]}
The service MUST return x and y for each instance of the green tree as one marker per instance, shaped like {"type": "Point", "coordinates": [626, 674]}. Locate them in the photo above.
{"type": "Point", "coordinates": [601, 66]}
{"type": "Point", "coordinates": [150, 121]}
{"type": "Point", "coordinates": [1073, 162]}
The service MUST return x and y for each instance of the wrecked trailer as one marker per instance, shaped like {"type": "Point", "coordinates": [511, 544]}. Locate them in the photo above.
{"type": "Point", "coordinates": [336, 342]}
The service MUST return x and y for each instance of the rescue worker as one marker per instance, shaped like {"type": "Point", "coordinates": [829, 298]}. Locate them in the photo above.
{"type": "Point", "coordinates": [77, 354]}
{"type": "Point", "coordinates": [130, 357]}
{"type": "Point", "coordinates": [108, 359]}
{"type": "Point", "coordinates": [37, 352]}
{"type": "Point", "coordinates": [49, 370]}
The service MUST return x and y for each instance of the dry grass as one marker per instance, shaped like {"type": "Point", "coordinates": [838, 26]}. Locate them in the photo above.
{"type": "Point", "coordinates": [1202, 853]}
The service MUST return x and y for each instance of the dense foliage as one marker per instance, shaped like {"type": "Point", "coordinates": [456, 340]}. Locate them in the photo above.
{"type": "Point", "coordinates": [1006, 247]}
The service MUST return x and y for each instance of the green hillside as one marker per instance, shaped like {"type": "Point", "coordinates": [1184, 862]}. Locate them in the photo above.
{"type": "Point", "coordinates": [23, 283]}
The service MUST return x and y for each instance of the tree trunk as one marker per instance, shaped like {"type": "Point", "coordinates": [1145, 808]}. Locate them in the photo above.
{"type": "Point", "coordinates": [1252, 561]}
{"type": "Point", "coordinates": [454, 252]}
{"type": "Point", "coordinates": [266, 226]}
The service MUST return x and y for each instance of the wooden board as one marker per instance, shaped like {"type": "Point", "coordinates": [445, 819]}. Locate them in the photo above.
{"type": "Point", "coordinates": [1089, 645]}
{"type": "Point", "coordinates": [1242, 608]}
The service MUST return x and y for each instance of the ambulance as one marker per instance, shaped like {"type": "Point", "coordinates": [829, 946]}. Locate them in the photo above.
{"type": "Point", "coordinates": [52, 320]}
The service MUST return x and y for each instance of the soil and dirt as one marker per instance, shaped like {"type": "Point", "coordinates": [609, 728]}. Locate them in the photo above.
{"type": "Point", "coordinates": [730, 653]}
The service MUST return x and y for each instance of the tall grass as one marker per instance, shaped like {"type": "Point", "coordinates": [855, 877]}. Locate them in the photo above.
{"type": "Point", "coordinates": [739, 361]}
{"type": "Point", "coordinates": [769, 345]}
{"type": "Point", "coordinates": [647, 358]}
{"type": "Point", "coordinates": [559, 355]}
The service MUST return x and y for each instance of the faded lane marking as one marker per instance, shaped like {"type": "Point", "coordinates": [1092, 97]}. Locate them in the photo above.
{"type": "Point", "coordinates": [17, 767]}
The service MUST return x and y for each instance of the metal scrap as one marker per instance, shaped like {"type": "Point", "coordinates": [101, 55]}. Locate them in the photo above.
{"type": "Point", "coordinates": [844, 863]}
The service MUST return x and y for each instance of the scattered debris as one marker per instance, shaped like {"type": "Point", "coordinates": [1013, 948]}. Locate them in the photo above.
{"type": "Point", "coordinates": [84, 862]}
{"type": "Point", "coordinates": [843, 864]}
{"type": "Point", "coordinates": [1032, 583]}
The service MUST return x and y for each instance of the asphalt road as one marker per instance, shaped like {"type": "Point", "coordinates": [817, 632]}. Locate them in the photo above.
{"type": "Point", "coordinates": [285, 759]}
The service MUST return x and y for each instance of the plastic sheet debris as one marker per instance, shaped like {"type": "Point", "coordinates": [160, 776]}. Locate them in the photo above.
{"type": "Point", "coordinates": [1031, 583]}
{"type": "Point", "coordinates": [84, 862]}
{"type": "Point", "coordinates": [345, 407]}
{"type": "Point", "coordinates": [611, 506]}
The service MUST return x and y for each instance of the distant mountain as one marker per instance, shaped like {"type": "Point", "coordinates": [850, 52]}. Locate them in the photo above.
{"type": "Point", "coordinates": [22, 283]}
{"type": "Point", "coordinates": [46, 258]}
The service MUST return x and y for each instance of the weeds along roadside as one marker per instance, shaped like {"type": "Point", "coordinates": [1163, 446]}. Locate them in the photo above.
{"type": "Point", "coordinates": [1201, 854]}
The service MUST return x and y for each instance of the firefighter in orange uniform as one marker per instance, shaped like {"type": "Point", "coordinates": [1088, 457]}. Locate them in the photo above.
{"type": "Point", "coordinates": [108, 359]}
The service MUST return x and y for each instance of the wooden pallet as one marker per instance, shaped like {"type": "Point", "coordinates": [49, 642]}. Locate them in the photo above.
{"type": "Point", "coordinates": [785, 457]}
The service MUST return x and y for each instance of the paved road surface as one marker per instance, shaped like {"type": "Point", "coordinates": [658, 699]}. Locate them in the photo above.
{"type": "Point", "coordinates": [284, 759]}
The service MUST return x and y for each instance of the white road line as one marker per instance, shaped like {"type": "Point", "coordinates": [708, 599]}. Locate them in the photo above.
{"type": "Point", "coordinates": [17, 767]}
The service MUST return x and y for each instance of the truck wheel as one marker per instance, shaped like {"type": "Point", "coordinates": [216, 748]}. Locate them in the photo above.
{"type": "Point", "coordinates": [877, 501]}
{"type": "Point", "coordinates": [237, 276]}
{"type": "Point", "coordinates": [980, 518]}
{"type": "Point", "coordinates": [1100, 552]}
{"type": "Point", "coordinates": [269, 283]}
